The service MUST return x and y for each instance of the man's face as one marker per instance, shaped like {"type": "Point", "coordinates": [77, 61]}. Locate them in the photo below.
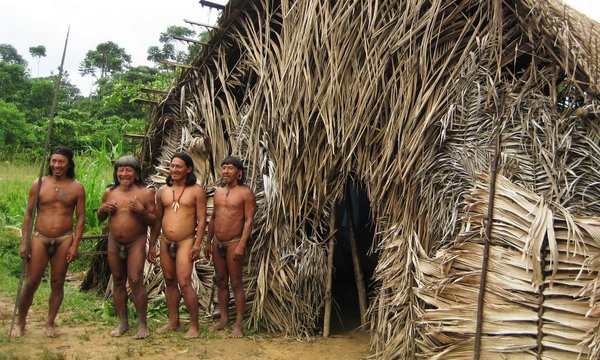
{"type": "Point", "coordinates": [59, 164]}
{"type": "Point", "coordinates": [126, 175]}
{"type": "Point", "coordinates": [178, 169]}
{"type": "Point", "coordinates": [230, 173]}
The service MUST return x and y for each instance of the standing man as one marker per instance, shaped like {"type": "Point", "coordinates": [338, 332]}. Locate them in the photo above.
{"type": "Point", "coordinates": [130, 206]}
{"type": "Point", "coordinates": [53, 240]}
{"type": "Point", "coordinates": [230, 226]}
{"type": "Point", "coordinates": [181, 213]}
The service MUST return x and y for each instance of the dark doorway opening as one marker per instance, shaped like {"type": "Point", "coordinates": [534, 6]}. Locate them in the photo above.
{"type": "Point", "coordinates": [346, 310]}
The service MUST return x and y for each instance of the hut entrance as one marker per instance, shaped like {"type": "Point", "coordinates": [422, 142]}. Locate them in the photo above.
{"type": "Point", "coordinates": [346, 288]}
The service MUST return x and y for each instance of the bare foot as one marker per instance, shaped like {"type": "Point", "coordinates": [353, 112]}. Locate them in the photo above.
{"type": "Point", "coordinates": [50, 330]}
{"type": "Point", "coordinates": [192, 333]}
{"type": "Point", "coordinates": [18, 331]}
{"type": "Point", "coordinates": [237, 333]}
{"type": "Point", "coordinates": [119, 330]}
{"type": "Point", "coordinates": [219, 326]}
{"type": "Point", "coordinates": [142, 332]}
{"type": "Point", "coordinates": [168, 327]}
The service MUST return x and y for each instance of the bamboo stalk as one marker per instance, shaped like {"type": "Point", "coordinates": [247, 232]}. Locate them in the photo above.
{"type": "Point", "coordinates": [358, 275]}
{"type": "Point", "coordinates": [486, 249]}
{"type": "Point", "coordinates": [329, 280]}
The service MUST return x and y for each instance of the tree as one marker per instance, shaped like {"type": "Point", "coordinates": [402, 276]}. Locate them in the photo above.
{"type": "Point", "coordinates": [108, 58]}
{"type": "Point", "coordinates": [13, 128]}
{"type": "Point", "coordinates": [168, 50]}
{"type": "Point", "coordinates": [9, 54]}
{"type": "Point", "coordinates": [38, 52]}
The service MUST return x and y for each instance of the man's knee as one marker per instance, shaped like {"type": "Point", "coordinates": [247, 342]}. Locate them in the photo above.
{"type": "Point", "coordinates": [222, 282]}
{"type": "Point", "coordinates": [57, 284]}
{"type": "Point", "coordinates": [119, 280]}
{"type": "Point", "coordinates": [136, 282]}
{"type": "Point", "coordinates": [170, 280]}
{"type": "Point", "coordinates": [237, 283]}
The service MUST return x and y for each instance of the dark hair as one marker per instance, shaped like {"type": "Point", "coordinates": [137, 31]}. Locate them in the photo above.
{"type": "Point", "coordinates": [66, 152]}
{"type": "Point", "coordinates": [232, 160]}
{"type": "Point", "coordinates": [127, 161]}
{"type": "Point", "coordinates": [191, 177]}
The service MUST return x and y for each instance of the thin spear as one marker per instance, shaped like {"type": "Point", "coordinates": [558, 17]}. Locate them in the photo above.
{"type": "Point", "coordinates": [39, 182]}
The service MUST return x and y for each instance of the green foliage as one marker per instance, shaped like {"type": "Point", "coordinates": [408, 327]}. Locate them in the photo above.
{"type": "Point", "coordinates": [9, 54]}
{"type": "Point", "coordinates": [13, 81]}
{"type": "Point", "coordinates": [108, 58]}
{"type": "Point", "coordinates": [13, 128]}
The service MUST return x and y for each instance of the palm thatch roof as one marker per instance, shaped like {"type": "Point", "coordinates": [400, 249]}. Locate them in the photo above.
{"type": "Point", "coordinates": [409, 98]}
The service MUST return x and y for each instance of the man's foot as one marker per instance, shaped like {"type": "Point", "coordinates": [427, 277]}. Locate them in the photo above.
{"type": "Point", "coordinates": [237, 333]}
{"type": "Point", "coordinates": [142, 332]}
{"type": "Point", "coordinates": [18, 331]}
{"type": "Point", "coordinates": [219, 326]}
{"type": "Point", "coordinates": [192, 333]}
{"type": "Point", "coordinates": [119, 330]}
{"type": "Point", "coordinates": [168, 327]}
{"type": "Point", "coordinates": [50, 330]}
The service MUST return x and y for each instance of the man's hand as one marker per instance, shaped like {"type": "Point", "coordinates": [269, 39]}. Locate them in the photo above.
{"type": "Point", "coordinates": [135, 206]}
{"type": "Point", "coordinates": [151, 257]}
{"type": "Point", "coordinates": [194, 253]}
{"type": "Point", "coordinates": [71, 254]}
{"type": "Point", "coordinates": [207, 250]}
{"type": "Point", "coordinates": [108, 208]}
{"type": "Point", "coordinates": [238, 254]}
{"type": "Point", "coordinates": [23, 250]}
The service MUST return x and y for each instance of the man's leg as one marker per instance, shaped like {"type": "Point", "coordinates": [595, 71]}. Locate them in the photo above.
{"type": "Point", "coordinates": [235, 268]}
{"type": "Point", "coordinates": [184, 277]}
{"type": "Point", "coordinates": [222, 280]}
{"type": "Point", "coordinates": [172, 294]}
{"type": "Point", "coordinates": [58, 265]}
{"type": "Point", "coordinates": [135, 274]}
{"type": "Point", "coordinates": [118, 269]}
{"type": "Point", "coordinates": [34, 270]}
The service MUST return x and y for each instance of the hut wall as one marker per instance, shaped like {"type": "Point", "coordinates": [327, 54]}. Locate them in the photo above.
{"type": "Point", "coordinates": [406, 96]}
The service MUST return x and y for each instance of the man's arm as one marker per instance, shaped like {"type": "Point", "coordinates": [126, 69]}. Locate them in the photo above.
{"type": "Point", "coordinates": [201, 222]}
{"type": "Point", "coordinates": [210, 234]}
{"type": "Point", "coordinates": [80, 213]}
{"type": "Point", "coordinates": [249, 212]}
{"type": "Point", "coordinates": [155, 230]}
{"type": "Point", "coordinates": [105, 208]}
{"type": "Point", "coordinates": [27, 219]}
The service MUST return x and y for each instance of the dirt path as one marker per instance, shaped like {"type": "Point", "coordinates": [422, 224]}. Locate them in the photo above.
{"type": "Point", "coordinates": [91, 341]}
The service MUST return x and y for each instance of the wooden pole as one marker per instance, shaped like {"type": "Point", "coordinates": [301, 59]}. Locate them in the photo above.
{"type": "Point", "coordinates": [486, 250]}
{"type": "Point", "coordinates": [329, 280]}
{"type": "Point", "coordinates": [358, 275]}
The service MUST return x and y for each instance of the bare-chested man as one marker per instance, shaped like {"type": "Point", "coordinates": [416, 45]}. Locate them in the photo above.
{"type": "Point", "coordinates": [130, 207]}
{"type": "Point", "coordinates": [230, 226]}
{"type": "Point", "coordinates": [53, 239]}
{"type": "Point", "coordinates": [181, 212]}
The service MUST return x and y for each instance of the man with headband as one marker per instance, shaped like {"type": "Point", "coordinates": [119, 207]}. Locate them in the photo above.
{"type": "Point", "coordinates": [181, 214]}
{"type": "Point", "coordinates": [130, 207]}
{"type": "Point", "coordinates": [53, 239]}
{"type": "Point", "coordinates": [230, 227]}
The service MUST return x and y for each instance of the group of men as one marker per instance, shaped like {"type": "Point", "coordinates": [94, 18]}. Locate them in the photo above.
{"type": "Point", "coordinates": [177, 211]}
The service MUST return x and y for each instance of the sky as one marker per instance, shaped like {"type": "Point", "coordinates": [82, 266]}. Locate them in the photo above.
{"type": "Point", "coordinates": [134, 25]}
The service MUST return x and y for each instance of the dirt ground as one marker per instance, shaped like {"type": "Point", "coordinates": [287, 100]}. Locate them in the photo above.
{"type": "Point", "coordinates": [91, 341]}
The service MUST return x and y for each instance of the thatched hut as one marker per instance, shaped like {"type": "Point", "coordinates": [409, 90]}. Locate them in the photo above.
{"type": "Point", "coordinates": [397, 124]}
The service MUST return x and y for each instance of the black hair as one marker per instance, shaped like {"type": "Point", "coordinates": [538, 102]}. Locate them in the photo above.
{"type": "Point", "coordinates": [127, 161]}
{"type": "Point", "coordinates": [191, 177]}
{"type": "Point", "coordinates": [66, 152]}
{"type": "Point", "coordinates": [232, 160]}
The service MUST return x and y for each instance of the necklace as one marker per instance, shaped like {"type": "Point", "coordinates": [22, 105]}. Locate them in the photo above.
{"type": "Point", "coordinates": [56, 187]}
{"type": "Point", "coordinates": [228, 189]}
{"type": "Point", "coordinates": [175, 204]}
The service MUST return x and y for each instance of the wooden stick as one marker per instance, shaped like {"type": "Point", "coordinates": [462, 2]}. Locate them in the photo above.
{"type": "Point", "coordinates": [187, 66]}
{"type": "Point", "coordinates": [358, 275]}
{"type": "Point", "coordinates": [201, 24]}
{"type": "Point", "coordinates": [329, 279]}
{"type": "Point", "coordinates": [181, 38]}
{"type": "Point", "coordinates": [486, 249]}
{"type": "Point", "coordinates": [212, 5]}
